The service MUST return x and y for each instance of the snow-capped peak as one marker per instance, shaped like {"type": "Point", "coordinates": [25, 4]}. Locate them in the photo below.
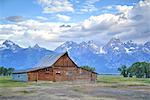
{"type": "Point", "coordinates": [69, 42]}
{"type": "Point", "coordinates": [66, 46]}
{"type": "Point", "coordinates": [102, 51]}
{"type": "Point", "coordinates": [91, 42]}
{"type": "Point", "coordinates": [36, 46]}
{"type": "Point", "coordinates": [115, 41]}
{"type": "Point", "coordinates": [7, 44]}
{"type": "Point", "coordinates": [147, 44]}
{"type": "Point", "coordinates": [114, 45]}
{"type": "Point", "coordinates": [83, 44]}
{"type": "Point", "coordinates": [131, 47]}
{"type": "Point", "coordinates": [94, 46]}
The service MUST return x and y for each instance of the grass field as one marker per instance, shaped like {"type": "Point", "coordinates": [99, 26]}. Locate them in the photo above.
{"type": "Point", "coordinates": [102, 79]}
{"type": "Point", "coordinates": [106, 88]}
{"type": "Point", "coordinates": [8, 82]}
{"type": "Point", "coordinates": [109, 79]}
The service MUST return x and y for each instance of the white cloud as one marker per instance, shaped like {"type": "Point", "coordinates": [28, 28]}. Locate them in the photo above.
{"type": "Point", "coordinates": [92, 1]}
{"type": "Point", "coordinates": [63, 17]}
{"type": "Point", "coordinates": [124, 8]}
{"type": "Point", "coordinates": [41, 18]}
{"type": "Point", "coordinates": [54, 6]}
{"type": "Point", "coordinates": [30, 32]}
{"type": "Point", "coordinates": [108, 7]}
{"type": "Point", "coordinates": [102, 22]}
{"type": "Point", "coordinates": [131, 23]}
{"type": "Point", "coordinates": [89, 6]}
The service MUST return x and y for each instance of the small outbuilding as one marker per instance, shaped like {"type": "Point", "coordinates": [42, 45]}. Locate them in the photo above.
{"type": "Point", "coordinates": [56, 67]}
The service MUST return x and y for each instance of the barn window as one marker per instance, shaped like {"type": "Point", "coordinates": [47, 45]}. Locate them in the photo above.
{"type": "Point", "coordinates": [47, 69]}
{"type": "Point", "coordinates": [83, 73]}
{"type": "Point", "coordinates": [57, 72]}
{"type": "Point", "coordinates": [80, 71]}
{"type": "Point", "coordinates": [69, 73]}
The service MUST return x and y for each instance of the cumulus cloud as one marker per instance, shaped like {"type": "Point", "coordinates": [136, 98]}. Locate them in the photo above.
{"type": "Point", "coordinates": [124, 8]}
{"type": "Point", "coordinates": [130, 23]}
{"type": "Point", "coordinates": [30, 32]}
{"type": "Point", "coordinates": [139, 26]}
{"type": "Point", "coordinates": [15, 18]}
{"type": "Point", "coordinates": [55, 6]}
{"type": "Point", "coordinates": [89, 6]}
{"type": "Point", "coordinates": [63, 17]}
{"type": "Point", "coordinates": [42, 18]}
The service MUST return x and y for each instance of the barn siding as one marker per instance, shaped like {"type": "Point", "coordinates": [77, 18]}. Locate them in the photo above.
{"type": "Point", "coordinates": [84, 75]}
{"type": "Point", "coordinates": [64, 69]}
{"type": "Point", "coordinates": [64, 61]}
{"type": "Point", "coordinates": [20, 77]}
{"type": "Point", "coordinates": [32, 76]}
{"type": "Point", "coordinates": [45, 74]}
{"type": "Point", "coordinates": [93, 77]}
{"type": "Point", "coordinates": [65, 73]}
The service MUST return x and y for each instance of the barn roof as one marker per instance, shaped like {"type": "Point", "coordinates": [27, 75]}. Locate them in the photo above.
{"type": "Point", "coordinates": [45, 62]}
{"type": "Point", "coordinates": [50, 59]}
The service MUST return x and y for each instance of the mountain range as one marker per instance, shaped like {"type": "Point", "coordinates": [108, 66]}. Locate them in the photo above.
{"type": "Point", "coordinates": [12, 55]}
{"type": "Point", "coordinates": [106, 58]}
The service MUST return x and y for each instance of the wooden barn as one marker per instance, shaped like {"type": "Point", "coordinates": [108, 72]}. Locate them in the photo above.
{"type": "Point", "coordinates": [56, 67]}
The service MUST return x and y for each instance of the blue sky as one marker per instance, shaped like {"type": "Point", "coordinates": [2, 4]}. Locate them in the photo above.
{"type": "Point", "coordinates": [28, 22]}
{"type": "Point", "coordinates": [32, 8]}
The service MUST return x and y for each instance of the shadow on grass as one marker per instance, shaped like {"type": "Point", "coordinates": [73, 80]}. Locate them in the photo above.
{"type": "Point", "coordinates": [25, 92]}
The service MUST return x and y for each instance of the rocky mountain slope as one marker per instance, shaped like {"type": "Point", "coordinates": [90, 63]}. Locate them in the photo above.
{"type": "Point", "coordinates": [12, 55]}
{"type": "Point", "coordinates": [107, 58]}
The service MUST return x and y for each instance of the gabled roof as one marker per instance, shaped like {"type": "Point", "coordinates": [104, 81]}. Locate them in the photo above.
{"type": "Point", "coordinates": [45, 62]}
{"type": "Point", "coordinates": [50, 59]}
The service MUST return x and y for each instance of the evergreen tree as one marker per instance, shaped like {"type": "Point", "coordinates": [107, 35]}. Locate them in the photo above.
{"type": "Point", "coordinates": [124, 71]}
{"type": "Point", "coordinates": [6, 71]}
{"type": "Point", "coordinates": [88, 68]}
{"type": "Point", "coordinates": [138, 69]}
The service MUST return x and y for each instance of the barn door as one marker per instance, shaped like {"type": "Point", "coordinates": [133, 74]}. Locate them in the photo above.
{"type": "Point", "coordinates": [58, 76]}
{"type": "Point", "coordinates": [69, 75]}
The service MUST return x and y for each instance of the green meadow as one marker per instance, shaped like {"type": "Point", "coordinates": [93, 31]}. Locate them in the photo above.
{"type": "Point", "coordinates": [122, 81]}
{"type": "Point", "coordinates": [6, 81]}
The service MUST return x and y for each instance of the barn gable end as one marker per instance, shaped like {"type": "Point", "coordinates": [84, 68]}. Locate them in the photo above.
{"type": "Point", "coordinates": [64, 61]}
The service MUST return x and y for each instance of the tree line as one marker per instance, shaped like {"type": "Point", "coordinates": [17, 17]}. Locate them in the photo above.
{"type": "Point", "coordinates": [6, 71]}
{"type": "Point", "coordinates": [138, 69]}
{"type": "Point", "coordinates": [88, 68]}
